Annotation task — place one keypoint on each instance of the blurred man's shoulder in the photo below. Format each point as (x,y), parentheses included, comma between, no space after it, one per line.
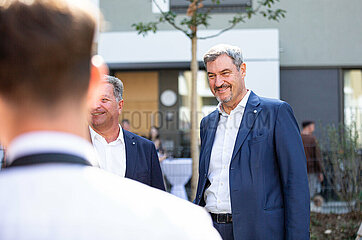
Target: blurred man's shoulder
(125,208)
(151,206)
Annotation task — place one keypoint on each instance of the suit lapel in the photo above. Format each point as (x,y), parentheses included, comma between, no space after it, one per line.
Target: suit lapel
(210,131)
(131,153)
(250,114)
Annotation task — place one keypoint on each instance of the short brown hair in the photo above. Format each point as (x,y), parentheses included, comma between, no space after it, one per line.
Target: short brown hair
(45,50)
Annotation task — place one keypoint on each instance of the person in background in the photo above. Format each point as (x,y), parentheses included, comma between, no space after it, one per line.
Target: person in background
(252,170)
(154,136)
(125,124)
(49,189)
(312,153)
(121,152)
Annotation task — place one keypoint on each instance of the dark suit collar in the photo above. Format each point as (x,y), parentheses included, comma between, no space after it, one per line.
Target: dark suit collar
(253,100)
(214,117)
(131,153)
(49,158)
(128,136)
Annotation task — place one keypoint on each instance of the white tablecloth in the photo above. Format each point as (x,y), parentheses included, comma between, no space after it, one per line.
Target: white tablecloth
(178,172)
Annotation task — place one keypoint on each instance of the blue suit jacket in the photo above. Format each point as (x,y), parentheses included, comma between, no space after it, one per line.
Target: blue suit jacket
(142,162)
(267,177)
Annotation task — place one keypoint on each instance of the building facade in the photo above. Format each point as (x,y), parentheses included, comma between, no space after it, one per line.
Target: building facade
(312,59)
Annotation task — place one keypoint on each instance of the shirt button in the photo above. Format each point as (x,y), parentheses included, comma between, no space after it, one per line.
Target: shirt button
(222,184)
(218,201)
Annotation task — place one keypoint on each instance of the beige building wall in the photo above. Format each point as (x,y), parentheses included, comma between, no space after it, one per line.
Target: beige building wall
(140,100)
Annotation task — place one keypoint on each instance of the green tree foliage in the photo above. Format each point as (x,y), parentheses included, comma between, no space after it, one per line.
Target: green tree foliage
(195,18)
(342,162)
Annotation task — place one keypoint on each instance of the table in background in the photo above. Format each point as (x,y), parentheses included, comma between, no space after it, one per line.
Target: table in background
(178,172)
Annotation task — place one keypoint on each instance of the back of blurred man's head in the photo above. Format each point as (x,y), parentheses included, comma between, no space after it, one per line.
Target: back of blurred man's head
(45,51)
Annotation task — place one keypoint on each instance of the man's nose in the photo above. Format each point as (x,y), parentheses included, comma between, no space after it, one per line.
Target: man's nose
(218,81)
(95,103)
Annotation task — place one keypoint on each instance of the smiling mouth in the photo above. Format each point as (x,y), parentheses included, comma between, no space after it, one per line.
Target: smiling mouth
(222,88)
(97,114)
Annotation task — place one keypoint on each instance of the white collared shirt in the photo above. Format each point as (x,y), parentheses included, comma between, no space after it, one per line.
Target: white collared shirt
(74,202)
(112,156)
(217,195)
(39,142)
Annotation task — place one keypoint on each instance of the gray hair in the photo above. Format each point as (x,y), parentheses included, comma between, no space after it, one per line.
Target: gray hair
(117,86)
(232,51)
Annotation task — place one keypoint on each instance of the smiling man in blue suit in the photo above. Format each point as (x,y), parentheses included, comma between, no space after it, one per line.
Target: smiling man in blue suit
(252,171)
(121,152)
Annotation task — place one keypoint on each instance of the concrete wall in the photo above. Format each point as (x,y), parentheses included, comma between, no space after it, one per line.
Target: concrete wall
(261,52)
(314,33)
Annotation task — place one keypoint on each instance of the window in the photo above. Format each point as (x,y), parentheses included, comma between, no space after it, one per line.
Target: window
(229,6)
(353,98)
(207,101)
(206,104)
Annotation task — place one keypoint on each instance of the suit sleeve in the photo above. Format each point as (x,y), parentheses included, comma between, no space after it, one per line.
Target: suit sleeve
(293,173)
(156,175)
(202,130)
(198,190)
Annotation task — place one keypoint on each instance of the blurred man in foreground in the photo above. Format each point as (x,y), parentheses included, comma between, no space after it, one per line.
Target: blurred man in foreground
(49,190)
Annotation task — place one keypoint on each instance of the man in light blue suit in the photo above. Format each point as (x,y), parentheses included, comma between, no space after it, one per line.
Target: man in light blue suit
(252,170)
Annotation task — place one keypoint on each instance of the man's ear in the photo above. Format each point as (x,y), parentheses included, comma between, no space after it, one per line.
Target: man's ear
(243,69)
(120,106)
(98,71)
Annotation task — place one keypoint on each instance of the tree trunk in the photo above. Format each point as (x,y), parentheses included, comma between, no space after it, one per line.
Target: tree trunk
(194,122)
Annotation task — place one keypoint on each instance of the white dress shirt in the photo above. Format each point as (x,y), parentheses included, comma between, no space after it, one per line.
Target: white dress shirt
(76,202)
(217,195)
(112,156)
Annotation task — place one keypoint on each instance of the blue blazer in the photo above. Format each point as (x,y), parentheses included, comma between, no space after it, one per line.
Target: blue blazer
(267,176)
(142,162)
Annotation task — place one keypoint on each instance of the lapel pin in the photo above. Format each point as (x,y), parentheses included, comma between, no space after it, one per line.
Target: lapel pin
(255,111)
(133,143)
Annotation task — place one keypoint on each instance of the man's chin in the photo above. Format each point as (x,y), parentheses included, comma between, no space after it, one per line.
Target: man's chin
(96,124)
(224,99)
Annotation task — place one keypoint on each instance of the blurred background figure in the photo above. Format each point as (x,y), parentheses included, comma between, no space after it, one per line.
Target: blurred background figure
(126,125)
(154,136)
(312,153)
